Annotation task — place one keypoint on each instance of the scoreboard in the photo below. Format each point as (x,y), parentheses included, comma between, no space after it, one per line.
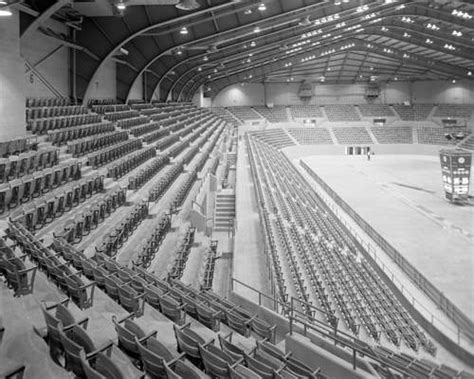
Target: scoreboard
(456,172)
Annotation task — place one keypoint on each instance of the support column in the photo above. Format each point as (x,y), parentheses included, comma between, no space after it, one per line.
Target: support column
(12,95)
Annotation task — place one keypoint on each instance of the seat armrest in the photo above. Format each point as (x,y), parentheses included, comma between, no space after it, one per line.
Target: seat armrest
(176,359)
(151,334)
(108,346)
(64,302)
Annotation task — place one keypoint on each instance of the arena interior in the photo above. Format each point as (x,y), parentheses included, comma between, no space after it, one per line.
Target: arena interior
(236,189)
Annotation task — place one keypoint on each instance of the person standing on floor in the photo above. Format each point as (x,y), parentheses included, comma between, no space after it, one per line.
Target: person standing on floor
(368,155)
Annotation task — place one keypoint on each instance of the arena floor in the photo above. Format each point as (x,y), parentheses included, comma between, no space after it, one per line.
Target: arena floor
(402,197)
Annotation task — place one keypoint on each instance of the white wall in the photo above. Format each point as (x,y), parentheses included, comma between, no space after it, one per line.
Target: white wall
(462,92)
(12,96)
(105,83)
(237,95)
(54,69)
(136,92)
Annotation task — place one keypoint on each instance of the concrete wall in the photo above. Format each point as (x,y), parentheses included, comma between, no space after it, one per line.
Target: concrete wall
(461,92)
(54,69)
(12,96)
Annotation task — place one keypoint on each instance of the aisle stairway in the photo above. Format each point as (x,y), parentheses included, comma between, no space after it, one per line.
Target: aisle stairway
(224,210)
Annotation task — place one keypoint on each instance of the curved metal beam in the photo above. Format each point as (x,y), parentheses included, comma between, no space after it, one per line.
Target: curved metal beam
(42,18)
(358,45)
(177,20)
(220,34)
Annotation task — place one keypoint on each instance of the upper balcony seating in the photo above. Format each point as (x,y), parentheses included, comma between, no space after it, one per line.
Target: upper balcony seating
(17,145)
(352,135)
(224,115)
(244,113)
(275,114)
(311,136)
(375,110)
(306,111)
(43,125)
(416,112)
(16,166)
(393,134)
(436,135)
(341,112)
(454,111)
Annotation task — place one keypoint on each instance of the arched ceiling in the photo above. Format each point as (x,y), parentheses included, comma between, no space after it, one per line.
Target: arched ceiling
(335,41)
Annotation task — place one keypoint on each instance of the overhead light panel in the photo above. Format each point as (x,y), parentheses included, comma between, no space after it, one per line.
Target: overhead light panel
(183,30)
(4,9)
(121,6)
(256,29)
(262,7)
(187,5)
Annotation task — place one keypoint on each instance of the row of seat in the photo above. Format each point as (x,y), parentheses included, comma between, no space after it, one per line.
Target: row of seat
(352,135)
(18,276)
(122,166)
(183,191)
(415,112)
(179,264)
(44,210)
(107,106)
(120,115)
(306,111)
(311,136)
(81,292)
(22,190)
(74,229)
(17,145)
(104,156)
(209,267)
(375,110)
(149,171)
(83,146)
(131,122)
(47,102)
(61,136)
(143,128)
(275,114)
(155,135)
(341,112)
(114,240)
(54,111)
(275,137)
(149,247)
(165,182)
(316,241)
(43,125)
(16,166)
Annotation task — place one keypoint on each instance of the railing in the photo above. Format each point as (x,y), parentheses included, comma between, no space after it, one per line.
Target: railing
(299,320)
(463,323)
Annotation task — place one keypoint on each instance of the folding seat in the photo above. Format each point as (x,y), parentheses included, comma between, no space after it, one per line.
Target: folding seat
(5,196)
(18,277)
(172,309)
(130,300)
(82,294)
(23,163)
(66,172)
(18,192)
(188,342)
(40,207)
(208,317)
(37,184)
(47,180)
(215,361)
(76,342)
(52,203)
(14,167)
(4,169)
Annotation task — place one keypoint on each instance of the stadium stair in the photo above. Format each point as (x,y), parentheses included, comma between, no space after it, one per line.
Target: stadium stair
(224,210)
(369,130)
(333,136)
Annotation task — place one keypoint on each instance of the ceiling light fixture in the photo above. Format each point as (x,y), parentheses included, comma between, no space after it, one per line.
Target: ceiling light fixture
(121,6)
(262,7)
(4,9)
(183,30)
(187,5)
(256,29)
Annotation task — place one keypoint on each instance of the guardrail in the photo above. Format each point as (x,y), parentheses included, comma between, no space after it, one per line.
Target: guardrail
(463,323)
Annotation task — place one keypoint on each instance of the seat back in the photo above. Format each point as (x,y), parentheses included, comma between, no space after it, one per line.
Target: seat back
(213,362)
(153,363)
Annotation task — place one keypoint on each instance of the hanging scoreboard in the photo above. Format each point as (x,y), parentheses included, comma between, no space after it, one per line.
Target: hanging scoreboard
(456,171)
